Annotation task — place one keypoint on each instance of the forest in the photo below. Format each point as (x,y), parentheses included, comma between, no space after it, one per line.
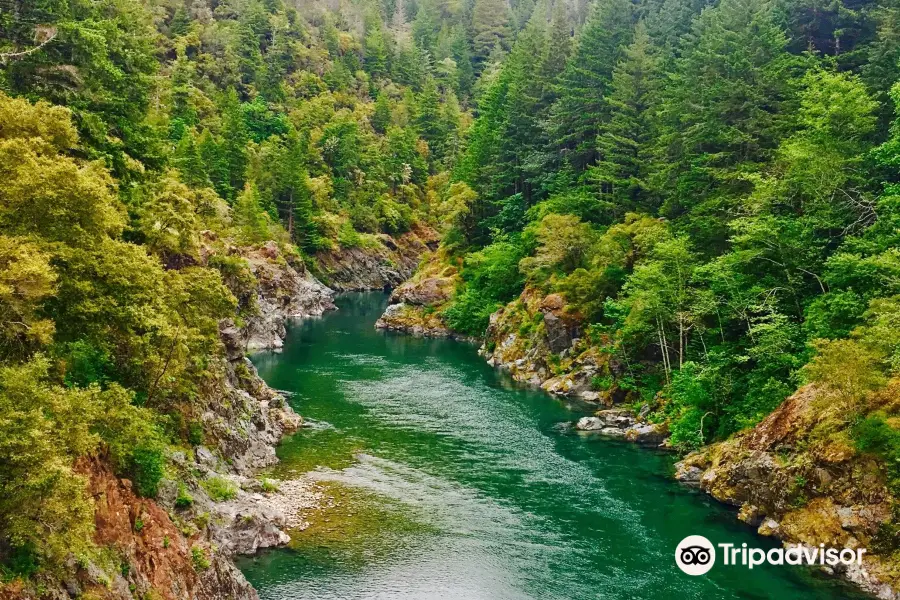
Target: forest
(713,187)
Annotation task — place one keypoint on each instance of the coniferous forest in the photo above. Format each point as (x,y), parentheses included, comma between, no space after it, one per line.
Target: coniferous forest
(711,188)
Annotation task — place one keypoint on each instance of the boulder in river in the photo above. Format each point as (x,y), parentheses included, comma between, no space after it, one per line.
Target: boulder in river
(649,434)
(589,424)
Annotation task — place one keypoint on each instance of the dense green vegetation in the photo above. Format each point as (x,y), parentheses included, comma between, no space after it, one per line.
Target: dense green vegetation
(711,186)
(713,190)
(141,141)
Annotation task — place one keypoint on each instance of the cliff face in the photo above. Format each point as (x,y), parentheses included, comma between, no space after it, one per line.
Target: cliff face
(155,559)
(285,290)
(797,477)
(384,265)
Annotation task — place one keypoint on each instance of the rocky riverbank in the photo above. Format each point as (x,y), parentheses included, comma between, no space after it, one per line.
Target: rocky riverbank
(795,476)
(211,505)
(624,424)
(415,306)
(805,493)
(284,289)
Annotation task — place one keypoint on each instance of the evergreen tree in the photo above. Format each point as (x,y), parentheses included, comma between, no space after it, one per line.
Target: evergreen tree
(490,24)
(190,163)
(294,197)
(462,55)
(376,51)
(381,116)
(577,116)
(235,137)
(429,121)
(214,164)
(427,24)
(556,53)
(248,216)
(723,110)
(625,141)
(522,136)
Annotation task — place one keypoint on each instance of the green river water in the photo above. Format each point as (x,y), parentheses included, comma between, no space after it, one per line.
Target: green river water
(453,482)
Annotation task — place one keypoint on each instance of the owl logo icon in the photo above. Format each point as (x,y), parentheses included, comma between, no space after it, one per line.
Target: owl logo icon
(695,555)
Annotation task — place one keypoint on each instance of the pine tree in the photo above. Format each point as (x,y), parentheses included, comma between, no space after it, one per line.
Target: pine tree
(459,47)
(190,163)
(294,197)
(381,116)
(214,164)
(426,25)
(490,24)
(180,23)
(376,52)
(624,143)
(428,119)
(556,52)
(722,109)
(522,136)
(249,217)
(577,116)
(235,137)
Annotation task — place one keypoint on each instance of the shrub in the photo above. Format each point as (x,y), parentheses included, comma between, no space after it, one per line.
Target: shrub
(184,498)
(147,470)
(219,488)
(195,433)
(86,364)
(200,558)
(469,313)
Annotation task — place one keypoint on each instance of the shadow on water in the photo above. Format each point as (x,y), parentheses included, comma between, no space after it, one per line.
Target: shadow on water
(454,482)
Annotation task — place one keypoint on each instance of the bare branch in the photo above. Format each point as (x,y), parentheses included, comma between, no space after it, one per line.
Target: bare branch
(43,35)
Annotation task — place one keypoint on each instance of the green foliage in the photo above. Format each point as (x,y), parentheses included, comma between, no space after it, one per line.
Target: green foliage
(249,218)
(470,311)
(200,558)
(219,488)
(874,435)
(146,470)
(490,278)
(183,499)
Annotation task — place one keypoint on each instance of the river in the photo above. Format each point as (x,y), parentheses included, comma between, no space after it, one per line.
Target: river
(453,482)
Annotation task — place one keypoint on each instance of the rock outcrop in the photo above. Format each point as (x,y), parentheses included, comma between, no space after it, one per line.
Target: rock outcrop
(285,290)
(538,340)
(153,557)
(801,492)
(380,266)
(622,423)
(415,306)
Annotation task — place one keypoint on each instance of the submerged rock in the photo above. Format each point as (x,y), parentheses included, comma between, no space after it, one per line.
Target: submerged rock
(613,432)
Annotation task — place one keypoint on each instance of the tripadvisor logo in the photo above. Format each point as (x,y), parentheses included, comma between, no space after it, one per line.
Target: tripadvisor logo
(696,555)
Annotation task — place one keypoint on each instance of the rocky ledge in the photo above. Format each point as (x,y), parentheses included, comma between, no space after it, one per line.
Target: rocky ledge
(802,493)
(415,306)
(285,289)
(538,341)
